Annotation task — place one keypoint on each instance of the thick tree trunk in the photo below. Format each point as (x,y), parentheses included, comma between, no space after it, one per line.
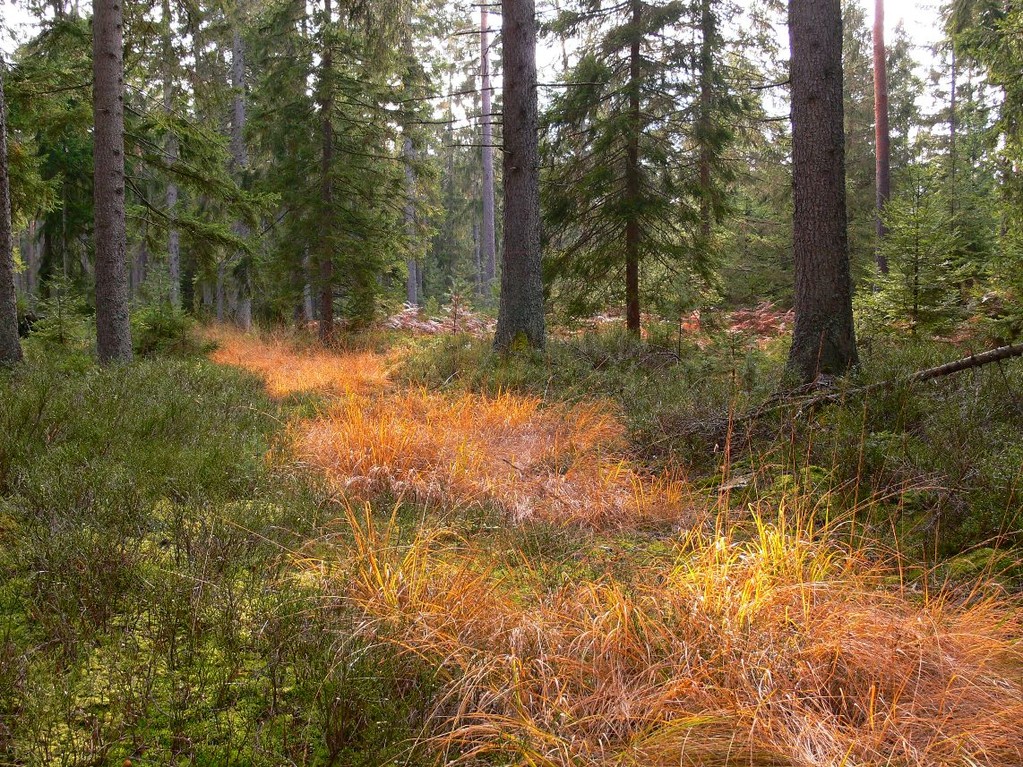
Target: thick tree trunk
(113,329)
(171,147)
(412,280)
(708,33)
(520,313)
(10,346)
(632,183)
(240,160)
(326,265)
(882,138)
(952,128)
(489,247)
(823,340)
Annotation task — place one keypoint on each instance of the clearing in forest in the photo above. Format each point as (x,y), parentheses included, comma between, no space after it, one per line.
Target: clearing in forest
(770,644)
(557,463)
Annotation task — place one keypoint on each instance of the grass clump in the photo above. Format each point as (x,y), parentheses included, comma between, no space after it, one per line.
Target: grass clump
(775,645)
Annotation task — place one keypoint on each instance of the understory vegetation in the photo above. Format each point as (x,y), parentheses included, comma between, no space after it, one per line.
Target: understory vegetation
(410,550)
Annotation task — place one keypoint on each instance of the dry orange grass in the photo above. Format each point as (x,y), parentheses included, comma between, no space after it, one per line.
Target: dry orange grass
(780,650)
(510,451)
(288,370)
(533,462)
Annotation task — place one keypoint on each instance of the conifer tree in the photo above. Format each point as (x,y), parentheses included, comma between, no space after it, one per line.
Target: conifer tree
(113,331)
(520,317)
(10,346)
(488,245)
(636,149)
(823,339)
(882,137)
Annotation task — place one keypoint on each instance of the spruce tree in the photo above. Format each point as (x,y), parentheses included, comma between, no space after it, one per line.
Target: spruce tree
(823,339)
(113,329)
(520,317)
(10,346)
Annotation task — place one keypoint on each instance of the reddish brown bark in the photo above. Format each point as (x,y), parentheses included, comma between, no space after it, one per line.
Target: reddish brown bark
(113,329)
(823,340)
(882,137)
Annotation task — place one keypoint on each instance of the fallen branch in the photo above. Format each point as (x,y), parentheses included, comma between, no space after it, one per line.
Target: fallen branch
(741,424)
(973,361)
(928,374)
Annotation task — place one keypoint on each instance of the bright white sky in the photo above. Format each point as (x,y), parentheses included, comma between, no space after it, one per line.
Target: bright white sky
(920,17)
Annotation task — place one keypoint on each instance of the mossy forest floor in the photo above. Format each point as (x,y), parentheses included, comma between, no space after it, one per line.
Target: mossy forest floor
(412,551)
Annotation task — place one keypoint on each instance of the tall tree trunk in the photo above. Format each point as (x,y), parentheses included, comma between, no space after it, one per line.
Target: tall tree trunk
(952,129)
(10,346)
(113,329)
(326,265)
(708,33)
(520,313)
(882,138)
(632,182)
(412,281)
(171,147)
(240,160)
(823,339)
(489,252)
(308,306)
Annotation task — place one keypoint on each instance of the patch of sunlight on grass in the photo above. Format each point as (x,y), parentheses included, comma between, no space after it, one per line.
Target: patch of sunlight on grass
(781,648)
(556,463)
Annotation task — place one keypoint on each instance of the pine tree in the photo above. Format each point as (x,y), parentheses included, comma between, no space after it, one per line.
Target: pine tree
(882,137)
(521,312)
(10,346)
(922,286)
(823,339)
(113,330)
(636,151)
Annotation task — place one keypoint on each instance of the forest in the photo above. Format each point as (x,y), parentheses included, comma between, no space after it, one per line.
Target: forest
(573,383)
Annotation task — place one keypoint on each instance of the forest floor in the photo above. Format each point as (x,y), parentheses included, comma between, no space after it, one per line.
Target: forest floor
(409,550)
(579,608)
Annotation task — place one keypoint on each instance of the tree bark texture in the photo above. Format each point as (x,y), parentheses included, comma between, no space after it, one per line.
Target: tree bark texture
(171,147)
(823,339)
(489,243)
(520,312)
(882,137)
(10,346)
(240,160)
(632,183)
(411,281)
(326,256)
(113,329)
(708,33)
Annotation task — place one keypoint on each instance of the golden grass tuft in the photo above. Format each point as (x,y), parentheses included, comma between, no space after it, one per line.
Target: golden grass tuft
(778,646)
(512,452)
(554,463)
(781,649)
(288,370)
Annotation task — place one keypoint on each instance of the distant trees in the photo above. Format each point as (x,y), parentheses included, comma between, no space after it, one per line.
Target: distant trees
(113,329)
(882,138)
(10,346)
(488,241)
(637,146)
(823,338)
(520,316)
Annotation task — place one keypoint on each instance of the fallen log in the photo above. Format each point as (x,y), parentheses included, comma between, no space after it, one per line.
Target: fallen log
(806,398)
(928,374)
(973,361)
